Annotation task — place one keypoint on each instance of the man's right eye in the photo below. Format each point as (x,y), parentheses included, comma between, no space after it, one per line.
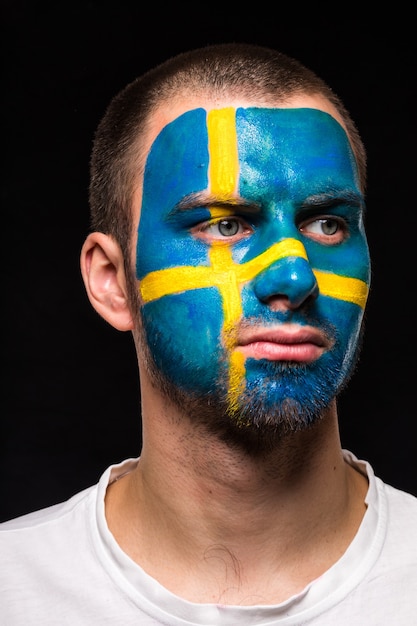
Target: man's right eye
(227,229)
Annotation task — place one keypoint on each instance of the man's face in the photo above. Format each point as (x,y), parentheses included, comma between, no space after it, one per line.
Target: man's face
(252,261)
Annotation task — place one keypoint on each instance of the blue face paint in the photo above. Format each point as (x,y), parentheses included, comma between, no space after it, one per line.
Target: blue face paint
(287,156)
(289,159)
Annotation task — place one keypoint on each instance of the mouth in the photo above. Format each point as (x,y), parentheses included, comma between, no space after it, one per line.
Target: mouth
(287,342)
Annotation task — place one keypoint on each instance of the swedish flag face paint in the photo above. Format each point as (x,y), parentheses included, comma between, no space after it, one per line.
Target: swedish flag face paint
(252,218)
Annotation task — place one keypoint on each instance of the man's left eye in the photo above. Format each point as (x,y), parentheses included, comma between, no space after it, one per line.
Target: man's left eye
(326,230)
(220,229)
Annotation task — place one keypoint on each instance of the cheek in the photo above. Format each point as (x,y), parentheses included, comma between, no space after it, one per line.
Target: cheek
(350,260)
(166,249)
(345,318)
(183,333)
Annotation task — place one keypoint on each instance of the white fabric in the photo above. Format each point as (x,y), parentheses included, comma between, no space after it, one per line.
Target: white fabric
(61,565)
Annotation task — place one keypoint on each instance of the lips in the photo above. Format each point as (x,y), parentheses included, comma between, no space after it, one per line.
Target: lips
(287,342)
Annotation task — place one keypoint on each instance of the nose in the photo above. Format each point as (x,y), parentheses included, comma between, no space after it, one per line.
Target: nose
(286,283)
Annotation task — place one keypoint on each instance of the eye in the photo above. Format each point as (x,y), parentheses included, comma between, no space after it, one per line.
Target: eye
(326,230)
(226,228)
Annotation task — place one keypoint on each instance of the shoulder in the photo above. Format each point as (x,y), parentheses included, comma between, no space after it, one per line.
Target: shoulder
(398,517)
(394,513)
(46,515)
(47,546)
(402,506)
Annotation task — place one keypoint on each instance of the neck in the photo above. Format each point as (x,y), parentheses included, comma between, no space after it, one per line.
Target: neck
(228,521)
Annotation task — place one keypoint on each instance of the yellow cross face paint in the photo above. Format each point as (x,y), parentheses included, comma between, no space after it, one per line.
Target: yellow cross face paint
(268,168)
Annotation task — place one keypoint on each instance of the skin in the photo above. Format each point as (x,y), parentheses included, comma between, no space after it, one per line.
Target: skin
(226,196)
(243,518)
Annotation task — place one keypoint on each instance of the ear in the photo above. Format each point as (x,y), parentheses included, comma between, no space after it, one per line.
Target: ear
(104,278)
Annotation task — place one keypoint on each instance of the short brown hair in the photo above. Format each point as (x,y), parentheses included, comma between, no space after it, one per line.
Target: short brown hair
(231,68)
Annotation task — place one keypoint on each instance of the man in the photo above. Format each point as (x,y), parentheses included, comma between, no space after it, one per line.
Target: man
(227,199)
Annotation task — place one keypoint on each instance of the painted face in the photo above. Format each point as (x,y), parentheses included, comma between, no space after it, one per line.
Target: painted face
(252,218)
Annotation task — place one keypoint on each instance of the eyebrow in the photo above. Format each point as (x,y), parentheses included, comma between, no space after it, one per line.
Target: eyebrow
(333,198)
(204,199)
(321,201)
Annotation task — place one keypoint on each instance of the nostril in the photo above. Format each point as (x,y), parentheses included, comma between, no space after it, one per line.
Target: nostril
(284,303)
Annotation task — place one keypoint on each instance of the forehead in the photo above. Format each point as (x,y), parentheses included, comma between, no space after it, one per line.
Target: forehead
(167,112)
(224,150)
(173,129)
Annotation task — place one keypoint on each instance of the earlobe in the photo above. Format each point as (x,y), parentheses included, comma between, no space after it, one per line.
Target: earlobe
(102,269)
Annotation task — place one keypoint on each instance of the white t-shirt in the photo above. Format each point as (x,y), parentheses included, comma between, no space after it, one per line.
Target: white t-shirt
(61,565)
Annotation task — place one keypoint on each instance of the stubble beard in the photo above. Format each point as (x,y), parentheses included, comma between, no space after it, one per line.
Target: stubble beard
(257,426)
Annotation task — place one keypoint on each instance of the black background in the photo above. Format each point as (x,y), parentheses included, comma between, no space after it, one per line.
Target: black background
(70,395)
